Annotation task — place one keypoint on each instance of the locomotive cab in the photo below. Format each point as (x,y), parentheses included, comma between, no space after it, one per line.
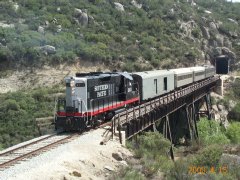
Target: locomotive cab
(94,96)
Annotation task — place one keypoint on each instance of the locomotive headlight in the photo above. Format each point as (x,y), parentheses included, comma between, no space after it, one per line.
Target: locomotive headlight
(72,84)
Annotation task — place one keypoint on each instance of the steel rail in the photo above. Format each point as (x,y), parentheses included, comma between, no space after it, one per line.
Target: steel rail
(33,152)
(26,145)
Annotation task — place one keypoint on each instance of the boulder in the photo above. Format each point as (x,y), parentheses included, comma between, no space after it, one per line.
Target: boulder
(49,49)
(119,6)
(59,28)
(192,2)
(118,156)
(233,34)
(4,25)
(77,12)
(108,168)
(215,108)
(217,117)
(232,104)
(227,43)
(15,6)
(221,107)
(124,163)
(171,12)
(227,51)
(205,32)
(219,40)
(134,3)
(83,19)
(46,23)
(213,26)
(207,12)
(187,27)
(41,29)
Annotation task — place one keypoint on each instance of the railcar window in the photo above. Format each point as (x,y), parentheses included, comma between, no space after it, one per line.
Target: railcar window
(199,73)
(186,76)
(155,82)
(165,83)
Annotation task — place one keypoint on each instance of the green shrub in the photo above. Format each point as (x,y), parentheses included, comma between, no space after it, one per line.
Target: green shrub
(235,112)
(18,111)
(152,144)
(210,132)
(11,104)
(153,150)
(180,170)
(209,156)
(128,174)
(233,132)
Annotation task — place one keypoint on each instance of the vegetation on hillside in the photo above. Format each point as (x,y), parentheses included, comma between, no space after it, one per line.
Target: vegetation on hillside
(18,112)
(136,35)
(152,149)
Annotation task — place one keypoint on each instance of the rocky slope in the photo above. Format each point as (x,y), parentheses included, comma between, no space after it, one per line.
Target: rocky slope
(126,35)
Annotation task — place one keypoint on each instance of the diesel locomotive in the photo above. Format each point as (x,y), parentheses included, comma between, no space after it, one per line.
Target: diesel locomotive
(91,97)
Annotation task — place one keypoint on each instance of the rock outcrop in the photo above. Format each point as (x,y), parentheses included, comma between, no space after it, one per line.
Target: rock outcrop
(47,49)
(134,3)
(81,17)
(119,6)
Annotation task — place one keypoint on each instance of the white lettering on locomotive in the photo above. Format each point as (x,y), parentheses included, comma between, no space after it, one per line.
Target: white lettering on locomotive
(101,87)
(101,93)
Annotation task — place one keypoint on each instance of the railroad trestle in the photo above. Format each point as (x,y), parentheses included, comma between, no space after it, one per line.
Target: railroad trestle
(189,99)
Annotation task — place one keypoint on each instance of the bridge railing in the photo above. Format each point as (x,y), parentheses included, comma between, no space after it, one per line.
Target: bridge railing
(138,111)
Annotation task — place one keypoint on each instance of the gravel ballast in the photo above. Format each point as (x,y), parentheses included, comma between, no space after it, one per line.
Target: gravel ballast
(82,157)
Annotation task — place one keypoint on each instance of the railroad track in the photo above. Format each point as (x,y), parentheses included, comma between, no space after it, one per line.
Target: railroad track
(15,155)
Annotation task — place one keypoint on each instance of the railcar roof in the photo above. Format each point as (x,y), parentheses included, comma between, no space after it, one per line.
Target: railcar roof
(198,68)
(148,74)
(182,70)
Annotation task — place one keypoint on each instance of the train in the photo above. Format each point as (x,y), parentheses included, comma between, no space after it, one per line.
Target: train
(94,97)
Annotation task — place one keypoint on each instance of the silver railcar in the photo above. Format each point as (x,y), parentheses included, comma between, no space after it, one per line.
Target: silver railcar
(198,73)
(210,71)
(182,77)
(154,83)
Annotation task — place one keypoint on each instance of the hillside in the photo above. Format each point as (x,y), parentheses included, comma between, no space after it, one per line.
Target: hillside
(124,35)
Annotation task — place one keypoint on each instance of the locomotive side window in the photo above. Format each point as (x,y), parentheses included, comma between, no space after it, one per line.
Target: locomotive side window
(67,84)
(165,83)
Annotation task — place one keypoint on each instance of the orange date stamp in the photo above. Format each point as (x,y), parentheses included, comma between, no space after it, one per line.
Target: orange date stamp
(206,170)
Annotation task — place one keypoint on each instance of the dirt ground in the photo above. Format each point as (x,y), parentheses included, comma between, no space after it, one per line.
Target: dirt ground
(46,76)
(84,158)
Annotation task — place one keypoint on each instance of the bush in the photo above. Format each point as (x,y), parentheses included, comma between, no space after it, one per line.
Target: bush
(11,105)
(152,144)
(128,174)
(180,170)
(18,111)
(153,150)
(235,112)
(209,156)
(210,132)
(233,132)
